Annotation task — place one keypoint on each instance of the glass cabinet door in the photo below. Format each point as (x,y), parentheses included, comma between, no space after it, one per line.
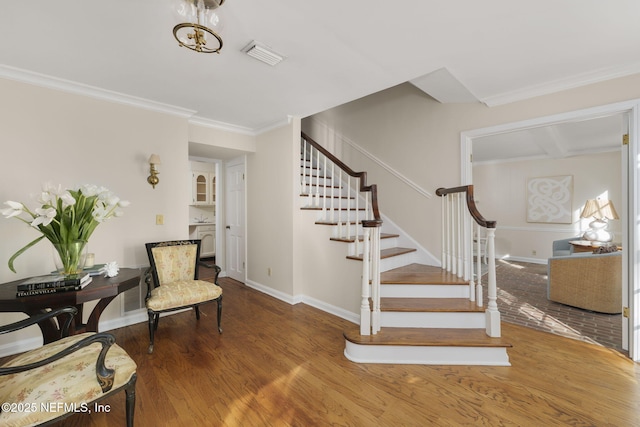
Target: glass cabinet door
(201,188)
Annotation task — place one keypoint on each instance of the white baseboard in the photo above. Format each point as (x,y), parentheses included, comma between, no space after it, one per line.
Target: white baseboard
(525,259)
(140,316)
(321,305)
(289,299)
(332,309)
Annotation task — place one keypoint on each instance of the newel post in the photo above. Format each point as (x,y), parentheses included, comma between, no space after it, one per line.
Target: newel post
(492,313)
(365,307)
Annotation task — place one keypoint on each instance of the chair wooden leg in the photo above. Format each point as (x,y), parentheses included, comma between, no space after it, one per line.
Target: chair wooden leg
(219,302)
(130,392)
(197,309)
(153,324)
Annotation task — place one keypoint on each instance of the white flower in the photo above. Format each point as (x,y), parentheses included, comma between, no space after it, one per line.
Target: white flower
(111,269)
(66,214)
(124,203)
(89,190)
(99,213)
(14,209)
(67,199)
(112,200)
(45,216)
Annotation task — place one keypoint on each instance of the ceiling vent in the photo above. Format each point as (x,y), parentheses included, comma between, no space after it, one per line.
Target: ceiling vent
(262,53)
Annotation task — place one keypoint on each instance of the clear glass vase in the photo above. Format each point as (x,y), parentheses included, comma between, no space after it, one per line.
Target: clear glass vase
(69,258)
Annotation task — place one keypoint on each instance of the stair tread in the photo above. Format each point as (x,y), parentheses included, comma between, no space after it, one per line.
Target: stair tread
(328,196)
(322,185)
(319,208)
(430,305)
(420,274)
(386,253)
(361,238)
(344,223)
(426,337)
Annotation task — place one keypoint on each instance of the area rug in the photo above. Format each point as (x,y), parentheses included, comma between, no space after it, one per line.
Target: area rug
(522,300)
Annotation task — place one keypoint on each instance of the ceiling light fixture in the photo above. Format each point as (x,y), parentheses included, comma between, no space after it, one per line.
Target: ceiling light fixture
(200,32)
(262,53)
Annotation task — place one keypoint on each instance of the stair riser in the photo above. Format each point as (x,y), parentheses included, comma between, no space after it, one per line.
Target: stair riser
(424,291)
(322,191)
(384,244)
(352,249)
(427,355)
(328,203)
(328,215)
(432,320)
(397,261)
(313,179)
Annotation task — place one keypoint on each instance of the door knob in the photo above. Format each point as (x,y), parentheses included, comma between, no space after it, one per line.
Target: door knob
(228,227)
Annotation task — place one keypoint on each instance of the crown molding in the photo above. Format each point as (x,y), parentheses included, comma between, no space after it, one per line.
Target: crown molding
(202,121)
(559,85)
(49,82)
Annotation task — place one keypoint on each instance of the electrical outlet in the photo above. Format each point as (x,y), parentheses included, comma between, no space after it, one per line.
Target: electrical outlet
(534,252)
(268,271)
(159,219)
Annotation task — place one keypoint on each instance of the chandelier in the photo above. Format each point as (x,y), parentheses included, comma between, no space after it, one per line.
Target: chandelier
(199,31)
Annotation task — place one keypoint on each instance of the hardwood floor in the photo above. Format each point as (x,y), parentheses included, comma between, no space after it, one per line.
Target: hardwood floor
(282,365)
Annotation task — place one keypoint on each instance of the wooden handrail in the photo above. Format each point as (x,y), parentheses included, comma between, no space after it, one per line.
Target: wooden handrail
(471,204)
(373,189)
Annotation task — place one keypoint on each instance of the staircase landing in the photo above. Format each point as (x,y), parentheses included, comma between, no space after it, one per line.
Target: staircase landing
(426,346)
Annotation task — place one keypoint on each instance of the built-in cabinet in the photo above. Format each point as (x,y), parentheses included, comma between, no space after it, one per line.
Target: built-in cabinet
(207,235)
(203,188)
(202,211)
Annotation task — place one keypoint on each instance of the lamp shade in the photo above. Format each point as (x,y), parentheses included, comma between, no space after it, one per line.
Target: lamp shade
(599,209)
(154,159)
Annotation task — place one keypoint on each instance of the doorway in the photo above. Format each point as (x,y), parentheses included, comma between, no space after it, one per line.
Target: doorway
(629,208)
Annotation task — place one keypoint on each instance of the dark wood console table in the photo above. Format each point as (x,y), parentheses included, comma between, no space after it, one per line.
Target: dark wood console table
(101,288)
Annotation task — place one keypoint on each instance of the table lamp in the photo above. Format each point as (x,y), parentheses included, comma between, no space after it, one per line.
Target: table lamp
(601,211)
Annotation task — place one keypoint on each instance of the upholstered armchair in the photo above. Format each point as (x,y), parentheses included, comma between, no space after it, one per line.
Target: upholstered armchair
(586,280)
(563,247)
(173,284)
(66,376)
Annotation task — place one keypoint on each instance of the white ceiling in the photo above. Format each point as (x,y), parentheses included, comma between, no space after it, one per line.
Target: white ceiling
(567,139)
(336,51)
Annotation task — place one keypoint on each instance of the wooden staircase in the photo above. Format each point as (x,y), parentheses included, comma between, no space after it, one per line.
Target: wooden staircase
(426,313)
(427,318)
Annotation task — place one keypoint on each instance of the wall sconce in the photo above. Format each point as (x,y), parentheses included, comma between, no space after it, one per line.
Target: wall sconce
(153,178)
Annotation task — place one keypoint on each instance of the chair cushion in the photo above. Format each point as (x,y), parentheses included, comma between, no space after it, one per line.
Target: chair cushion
(182,293)
(70,380)
(175,263)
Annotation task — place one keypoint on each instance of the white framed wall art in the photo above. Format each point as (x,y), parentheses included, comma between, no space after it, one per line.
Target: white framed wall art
(549,199)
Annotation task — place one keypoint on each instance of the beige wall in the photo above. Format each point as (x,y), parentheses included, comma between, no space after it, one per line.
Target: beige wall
(68,139)
(420,138)
(270,208)
(221,138)
(500,192)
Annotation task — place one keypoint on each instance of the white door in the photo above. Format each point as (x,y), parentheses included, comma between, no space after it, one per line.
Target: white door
(235,219)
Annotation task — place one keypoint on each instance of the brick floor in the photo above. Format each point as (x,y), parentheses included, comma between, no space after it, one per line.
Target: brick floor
(522,299)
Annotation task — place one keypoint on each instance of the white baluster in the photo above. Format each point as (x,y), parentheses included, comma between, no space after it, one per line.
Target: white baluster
(479,293)
(324,190)
(348,234)
(317,178)
(303,168)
